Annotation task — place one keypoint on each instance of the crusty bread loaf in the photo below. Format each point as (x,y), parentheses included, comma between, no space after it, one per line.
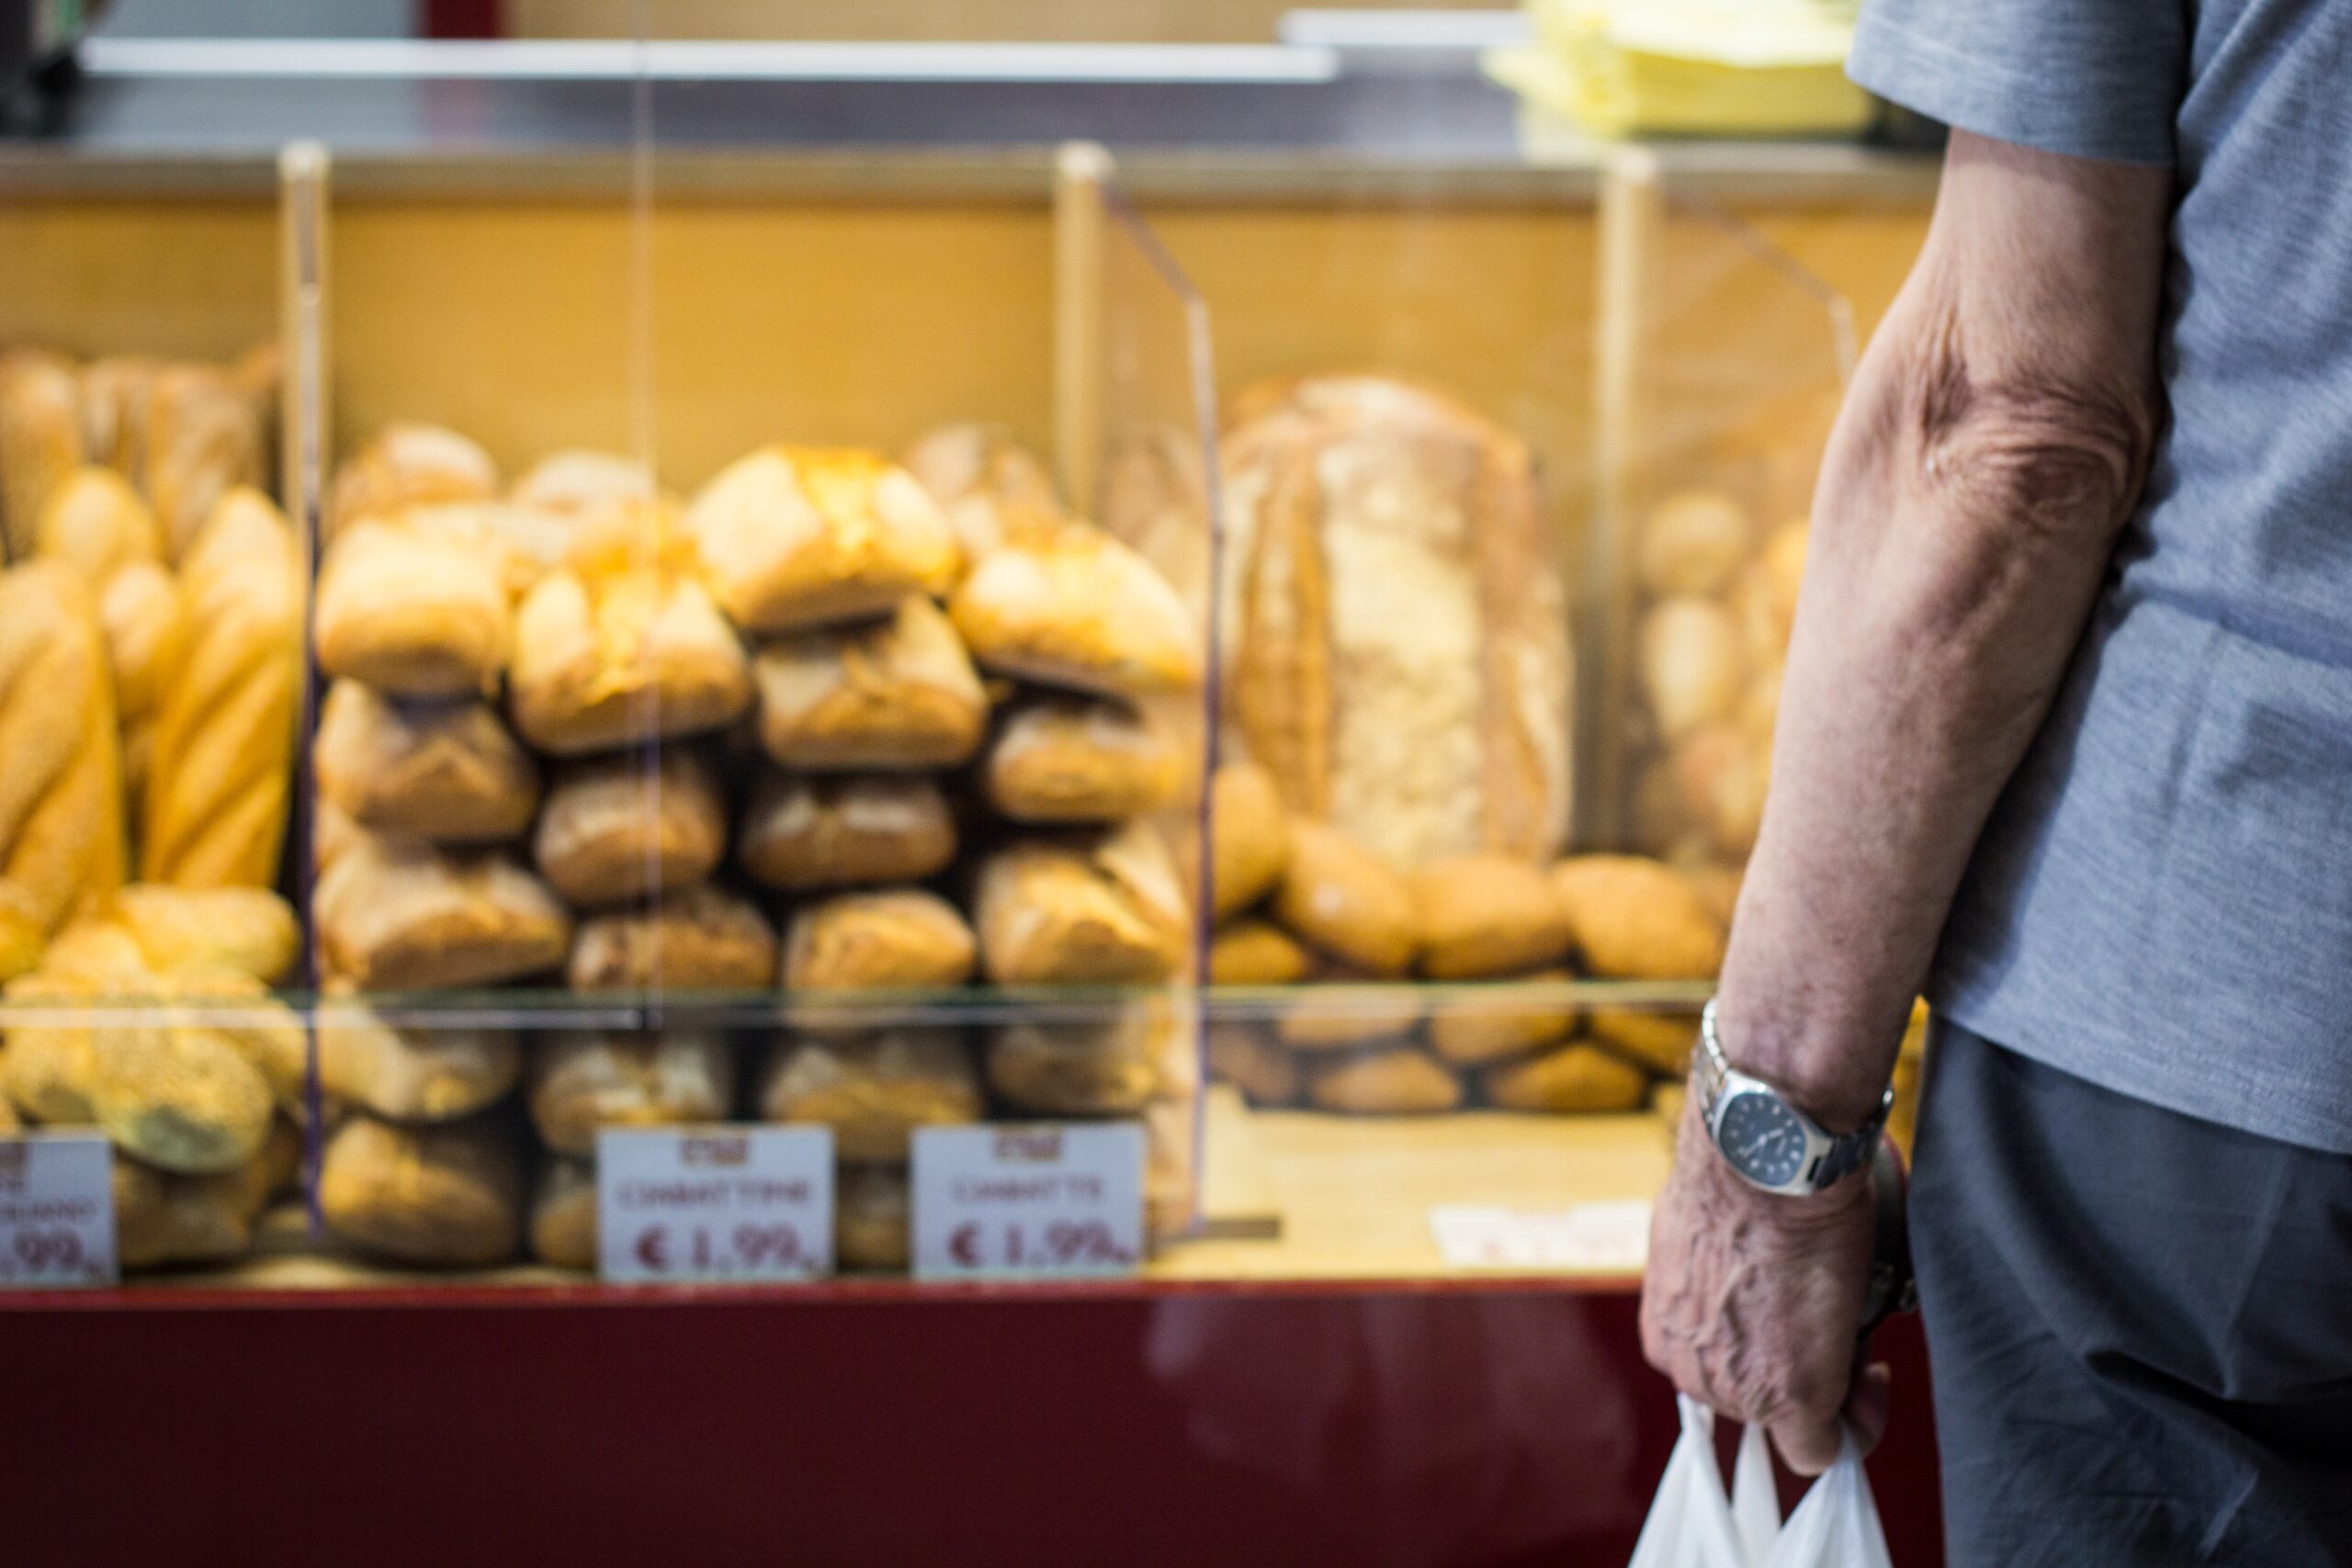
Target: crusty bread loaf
(873,1091)
(581,1084)
(1574,1079)
(989,486)
(163,1217)
(221,771)
(1078,609)
(1346,901)
(40,441)
(896,693)
(447,1196)
(181,1099)
(412,612)
(408,465)
(1397,651)
(873,1217)
(1057,759)
(1256,952)
(623,644)
(206,435)
(246,931)
(1091,909)
(434,1074)
(1398,1080)
(898,940)
(794,536)
(400,915)
(1114,1067)
(803,833)
(631,825)
(114,412)
(1486,915)
(449,772)
(698,938)
(1249,836)
(61,795)
(563,1214)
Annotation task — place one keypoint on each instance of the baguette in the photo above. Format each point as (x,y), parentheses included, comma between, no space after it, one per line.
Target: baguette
(899,692)
(796,537)
(205,437)
(450,772)
(801,834)
(631,826)
(40,441)
(61,797)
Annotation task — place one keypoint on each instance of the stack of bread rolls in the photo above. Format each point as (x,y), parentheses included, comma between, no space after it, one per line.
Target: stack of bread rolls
(1305,909)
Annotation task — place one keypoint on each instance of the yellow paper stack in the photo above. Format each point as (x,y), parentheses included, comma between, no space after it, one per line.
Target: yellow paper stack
(1619,68)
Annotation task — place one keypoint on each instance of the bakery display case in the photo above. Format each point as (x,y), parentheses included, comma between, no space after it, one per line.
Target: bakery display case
(1274,651)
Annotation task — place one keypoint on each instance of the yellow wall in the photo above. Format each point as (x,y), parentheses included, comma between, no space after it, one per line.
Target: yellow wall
(186,278)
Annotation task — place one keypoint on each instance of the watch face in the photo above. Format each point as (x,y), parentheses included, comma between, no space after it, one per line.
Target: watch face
(1762,1138)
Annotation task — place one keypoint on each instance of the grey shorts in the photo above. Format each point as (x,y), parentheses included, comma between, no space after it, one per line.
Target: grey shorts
(2140,1324)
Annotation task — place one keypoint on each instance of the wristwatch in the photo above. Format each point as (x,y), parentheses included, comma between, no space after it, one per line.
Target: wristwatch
(1769,1143)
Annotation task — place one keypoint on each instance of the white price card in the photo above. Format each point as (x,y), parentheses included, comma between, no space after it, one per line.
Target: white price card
(741,1205)
(1583,1238)
(1041,1199)
(56,1211)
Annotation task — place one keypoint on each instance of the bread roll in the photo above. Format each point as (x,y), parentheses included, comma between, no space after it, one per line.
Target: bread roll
(1661,1041)
(1693,672)
(1078,610)
(1396,1081)
(40,441)
(629,826)
(698,938)
(1694,542)
(61,798)
(451,773)
(579,480)
(1081,760)
(395,917)
(221,771)
(898,693)
(1481,916)
(519,543)
(246,931)
(412,613)
(801,834)
(892,940)
(1637,919)
(623,644)
(448,1196)
(1249,834)
(1115,1067)
(1346,902)
(1255,952)
(409,464)
(987,484)
(181,1099)
(1574,1079)
(796,537)
(873,1217)
(1470,1028)
(1248,1056)
(1345,1009)
(563,1214)
(162,1217)
(206,435)
(874,1091)
(583,1083)
(1098,911)
(434,1074)
(1398,635)
(95,523)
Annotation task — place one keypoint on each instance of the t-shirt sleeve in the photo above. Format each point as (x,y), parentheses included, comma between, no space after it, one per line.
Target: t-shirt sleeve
(2093,78)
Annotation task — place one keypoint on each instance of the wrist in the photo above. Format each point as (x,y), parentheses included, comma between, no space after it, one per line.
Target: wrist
(1725,1189)
(1824,1067)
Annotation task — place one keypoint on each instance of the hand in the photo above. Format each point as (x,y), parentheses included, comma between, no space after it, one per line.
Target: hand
(1753,1302)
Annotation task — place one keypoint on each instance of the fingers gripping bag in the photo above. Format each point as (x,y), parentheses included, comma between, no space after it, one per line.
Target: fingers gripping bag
(1692,1524)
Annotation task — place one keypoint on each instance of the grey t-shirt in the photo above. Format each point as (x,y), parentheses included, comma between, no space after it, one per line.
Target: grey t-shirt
(2162,903)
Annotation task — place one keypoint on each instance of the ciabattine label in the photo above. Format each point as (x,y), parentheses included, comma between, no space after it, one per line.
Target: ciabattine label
(708,1204)
(1040,1201)
(56,1211)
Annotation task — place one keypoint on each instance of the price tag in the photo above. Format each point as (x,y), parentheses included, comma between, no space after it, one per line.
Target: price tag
(1583,1238)
(1041,1200)
(56,1211)
(735,1204)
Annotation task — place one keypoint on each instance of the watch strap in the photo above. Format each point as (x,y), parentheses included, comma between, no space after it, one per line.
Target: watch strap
(1846,1152)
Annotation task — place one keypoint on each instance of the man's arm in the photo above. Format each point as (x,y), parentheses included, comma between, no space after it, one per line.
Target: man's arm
(1989,455)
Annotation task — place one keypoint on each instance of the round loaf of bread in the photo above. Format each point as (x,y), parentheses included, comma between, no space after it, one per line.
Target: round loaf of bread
(1395,1081)
(801,833)
(1256,952)
(1469,1028)
(1574,1079)
(1346,901)
(1482,916)
(1249,834)
(1635,919)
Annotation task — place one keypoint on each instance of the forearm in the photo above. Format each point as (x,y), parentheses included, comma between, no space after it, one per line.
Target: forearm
(1988,455)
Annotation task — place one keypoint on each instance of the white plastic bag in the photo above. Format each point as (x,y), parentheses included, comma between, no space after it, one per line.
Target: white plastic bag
(1693,1525)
